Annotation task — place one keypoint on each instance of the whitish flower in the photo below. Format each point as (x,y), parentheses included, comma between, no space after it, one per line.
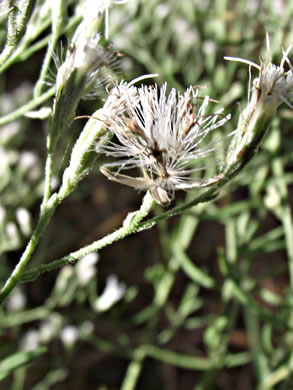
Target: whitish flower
(50,328)
(69,335)
(162,135)
(274,85)
(16,300)
(12,234)
(162,10)
(88,58)
(86,268)
(9,132)
(117,101)
(28,160)
(86,328)
(82,159)
(30,341)
(24,220)
(3,215)
(30,164)
(112,293)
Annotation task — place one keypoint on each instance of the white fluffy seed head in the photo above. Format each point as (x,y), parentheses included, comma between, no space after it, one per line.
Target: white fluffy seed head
(161,134)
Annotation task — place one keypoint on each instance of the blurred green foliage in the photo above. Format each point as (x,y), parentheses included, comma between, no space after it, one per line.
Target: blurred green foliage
(208,303)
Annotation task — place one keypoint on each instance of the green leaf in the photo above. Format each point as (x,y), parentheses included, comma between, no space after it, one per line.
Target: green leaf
(19,359)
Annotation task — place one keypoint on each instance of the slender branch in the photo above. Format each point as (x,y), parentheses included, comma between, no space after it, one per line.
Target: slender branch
(58,16)
(210,193)
(285,213)
(47,181)
(137,225)
(18,19)
(206,196)
(134,369)
(12,116)
(130,225)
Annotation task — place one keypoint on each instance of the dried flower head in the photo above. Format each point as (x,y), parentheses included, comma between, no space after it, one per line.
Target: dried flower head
(274,85)
(89,58)
(160,134)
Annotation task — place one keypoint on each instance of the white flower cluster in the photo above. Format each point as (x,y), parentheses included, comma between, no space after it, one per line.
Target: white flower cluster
(162,135)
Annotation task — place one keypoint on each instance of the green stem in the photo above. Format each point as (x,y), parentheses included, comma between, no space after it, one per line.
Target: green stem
(258,356)
(18,19)
(206,196)
(130,225)
(26,47)
(286,215)
(48,179)
(25,316)
(44,71)
(133,370)
(15,277)
(179,360)
(27,107)
(132,222)
(58,15)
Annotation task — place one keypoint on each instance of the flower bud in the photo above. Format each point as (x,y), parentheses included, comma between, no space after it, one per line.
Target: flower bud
(272,87)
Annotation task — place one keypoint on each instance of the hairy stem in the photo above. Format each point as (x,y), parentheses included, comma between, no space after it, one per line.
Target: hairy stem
(130,225)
